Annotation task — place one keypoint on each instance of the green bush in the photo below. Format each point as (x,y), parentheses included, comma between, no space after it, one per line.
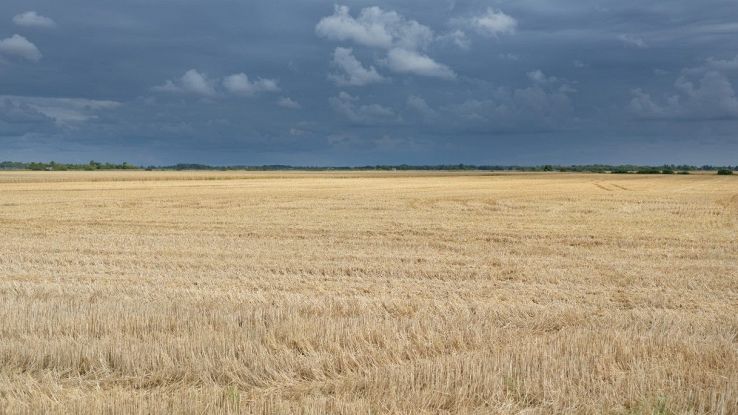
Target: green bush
(724,172)
(649,171)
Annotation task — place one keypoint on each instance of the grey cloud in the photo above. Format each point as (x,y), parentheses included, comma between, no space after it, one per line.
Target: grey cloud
(710,97)
(61,110)
(532,107)
(349,106)
(702,92)
(420,106)
(17,111)
(722,64)
(19,46)
(544,103)
(388,142)
(632,40)
(19,119)
(509,56)
(539,77)
(33,20)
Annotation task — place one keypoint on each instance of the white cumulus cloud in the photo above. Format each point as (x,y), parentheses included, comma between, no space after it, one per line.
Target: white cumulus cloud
(33,19)
(493,23)
(457,37)
(197,83)
(353,72)
(402,38)
(192,82)
(240,84)
(374,27)
(19,46)
(407,61)
(289,103)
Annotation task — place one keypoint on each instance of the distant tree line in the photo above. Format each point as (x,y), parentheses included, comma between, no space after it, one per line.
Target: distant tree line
(583,168)
(54,166)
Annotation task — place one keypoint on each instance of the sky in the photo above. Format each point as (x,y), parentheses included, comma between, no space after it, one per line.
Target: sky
(317,83)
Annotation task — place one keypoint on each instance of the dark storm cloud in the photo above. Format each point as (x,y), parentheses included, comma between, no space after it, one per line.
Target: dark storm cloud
(315,82)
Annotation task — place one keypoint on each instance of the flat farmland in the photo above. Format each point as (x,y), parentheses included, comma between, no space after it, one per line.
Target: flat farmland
(368,292)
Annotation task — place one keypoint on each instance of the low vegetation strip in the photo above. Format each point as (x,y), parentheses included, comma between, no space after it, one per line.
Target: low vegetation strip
(585,168)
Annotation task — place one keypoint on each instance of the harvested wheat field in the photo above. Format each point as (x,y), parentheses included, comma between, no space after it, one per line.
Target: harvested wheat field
(168,292)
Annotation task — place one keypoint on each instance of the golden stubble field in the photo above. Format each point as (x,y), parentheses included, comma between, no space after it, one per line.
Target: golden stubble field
(155,292)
